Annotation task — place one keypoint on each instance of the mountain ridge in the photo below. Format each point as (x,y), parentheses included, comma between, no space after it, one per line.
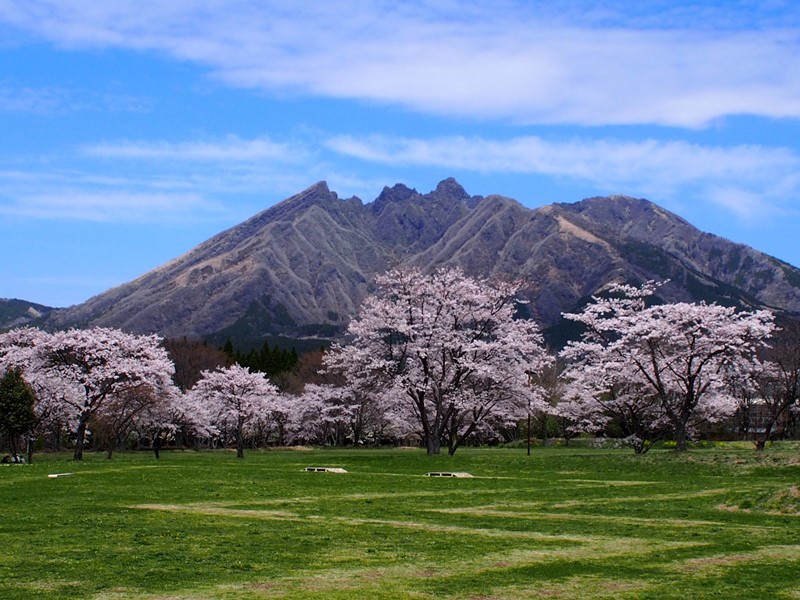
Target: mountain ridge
(300,268)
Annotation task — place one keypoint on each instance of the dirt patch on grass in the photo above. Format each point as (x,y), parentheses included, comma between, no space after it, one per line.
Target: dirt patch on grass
(220,511)
(585,587)
(213,509)
(216,510)
(43,585)
(404,580)
(679,496)
(555,517)
(608,483)
(781,502)
(709,564)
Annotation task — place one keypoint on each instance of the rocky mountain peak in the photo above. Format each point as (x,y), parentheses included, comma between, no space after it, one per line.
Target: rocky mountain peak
(301,268)
(394,194)
(450,188)
(617,211)
(317,194)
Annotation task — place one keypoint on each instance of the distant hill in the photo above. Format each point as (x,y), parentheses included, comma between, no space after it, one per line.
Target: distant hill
(18,313)
(300,269)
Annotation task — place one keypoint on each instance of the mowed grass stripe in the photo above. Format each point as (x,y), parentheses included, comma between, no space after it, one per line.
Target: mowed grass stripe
(560,523)
(660,522)
(426,526)
(404,579)
(216,509)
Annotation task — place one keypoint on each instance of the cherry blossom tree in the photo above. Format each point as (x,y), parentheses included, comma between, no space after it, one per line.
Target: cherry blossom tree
(309,421)
(446,349)
(338,415)
(163,421)
(114,422)
(21,348)
(675,353)
(103,364)
(599,402)
(769,387)
(236,399)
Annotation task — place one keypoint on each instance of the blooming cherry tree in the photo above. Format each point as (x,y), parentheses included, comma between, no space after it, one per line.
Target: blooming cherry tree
(83,373)
(163,421)
(338,414)
(103,365)
(595,400)
(20,349)
(236,399)
(445,349)
(768,387)
(676,353)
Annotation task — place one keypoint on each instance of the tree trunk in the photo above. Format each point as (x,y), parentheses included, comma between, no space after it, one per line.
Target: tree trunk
(239,440)
(642,446)
(281,441)
(680,439)
(157,446)
(12,445)
(80,434)
(433,443)
(679,423)
(763,438)
(113,442)
(434,446)
(456,440)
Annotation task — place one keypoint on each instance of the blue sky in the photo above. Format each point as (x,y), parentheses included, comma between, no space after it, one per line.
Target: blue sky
(132,130)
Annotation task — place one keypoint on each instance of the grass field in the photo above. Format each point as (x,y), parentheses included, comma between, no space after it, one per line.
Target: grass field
(561,523)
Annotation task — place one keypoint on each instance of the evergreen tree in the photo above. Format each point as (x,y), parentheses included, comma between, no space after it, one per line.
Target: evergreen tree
(16,407)
(270,361)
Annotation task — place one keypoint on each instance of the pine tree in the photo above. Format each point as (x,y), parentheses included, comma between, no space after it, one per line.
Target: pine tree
(16,407)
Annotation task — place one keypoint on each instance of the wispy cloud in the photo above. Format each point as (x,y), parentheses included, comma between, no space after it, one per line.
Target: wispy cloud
(110,207)
(231,149)
(15,98)
(747,180)
(192,179)
(225,180)
(517,61)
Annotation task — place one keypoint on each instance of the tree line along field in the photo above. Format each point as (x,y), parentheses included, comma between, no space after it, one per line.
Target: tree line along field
(560,523)
(440,357)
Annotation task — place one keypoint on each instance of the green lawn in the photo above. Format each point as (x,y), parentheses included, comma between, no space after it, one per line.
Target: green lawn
(561,523)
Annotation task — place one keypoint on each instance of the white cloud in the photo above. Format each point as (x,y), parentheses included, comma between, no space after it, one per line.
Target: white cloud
(231,149)
(519,61)
(234,178)
(49,100)
(748,206)
(223,180)
(111,207)
(747,180)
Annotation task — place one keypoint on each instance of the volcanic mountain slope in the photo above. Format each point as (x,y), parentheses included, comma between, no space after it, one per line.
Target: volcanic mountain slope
(19,313)
(299,268)
(570,251)
(302,267)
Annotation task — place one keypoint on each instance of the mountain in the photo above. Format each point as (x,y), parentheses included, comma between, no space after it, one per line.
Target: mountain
(301,268)
(18,313)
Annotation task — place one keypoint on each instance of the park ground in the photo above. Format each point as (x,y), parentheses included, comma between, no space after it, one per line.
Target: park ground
(718,522)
